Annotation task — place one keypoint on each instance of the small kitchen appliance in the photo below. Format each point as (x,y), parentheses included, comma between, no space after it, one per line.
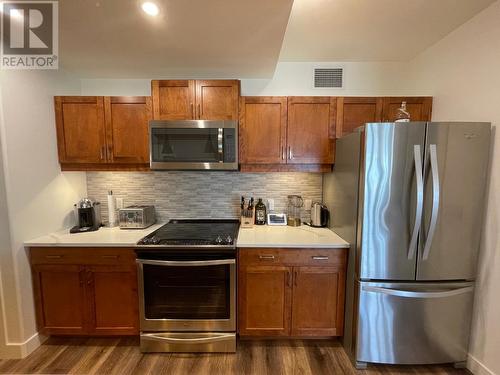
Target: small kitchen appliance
(187,287)
(88,216)
(295,203)
(319,215)
(193,144)
(137,217)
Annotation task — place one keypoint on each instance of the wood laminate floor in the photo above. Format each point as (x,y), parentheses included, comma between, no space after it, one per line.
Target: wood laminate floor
(122,356)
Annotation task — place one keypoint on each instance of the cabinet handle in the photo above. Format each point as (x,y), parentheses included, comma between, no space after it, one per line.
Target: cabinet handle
(290,155)
(288,279)
(319,257)
(199,110)
(192,111)
(295,277)
(53,256)
(282,153)
(110,152)
(264,257)
(102,153)
(109,256)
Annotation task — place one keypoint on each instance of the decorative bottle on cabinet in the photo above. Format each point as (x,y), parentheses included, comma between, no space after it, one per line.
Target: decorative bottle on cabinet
(402,115)
(260,212)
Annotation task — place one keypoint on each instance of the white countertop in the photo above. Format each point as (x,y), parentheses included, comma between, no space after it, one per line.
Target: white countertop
(104,237)
(285,236)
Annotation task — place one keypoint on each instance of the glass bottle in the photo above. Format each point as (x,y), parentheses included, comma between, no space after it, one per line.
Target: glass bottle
(402,114)
(260,212)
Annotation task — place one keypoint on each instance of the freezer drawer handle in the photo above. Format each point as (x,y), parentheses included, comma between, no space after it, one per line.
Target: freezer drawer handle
(186,263)
(411,294)
(200,340)
(435,202)
(420,201)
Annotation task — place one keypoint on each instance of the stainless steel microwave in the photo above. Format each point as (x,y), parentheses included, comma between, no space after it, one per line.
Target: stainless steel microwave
(193,144)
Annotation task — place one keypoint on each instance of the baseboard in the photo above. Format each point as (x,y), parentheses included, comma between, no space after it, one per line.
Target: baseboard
(476,367)
(22,349)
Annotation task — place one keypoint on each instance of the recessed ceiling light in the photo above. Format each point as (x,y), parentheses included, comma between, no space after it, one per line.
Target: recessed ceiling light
(150,8)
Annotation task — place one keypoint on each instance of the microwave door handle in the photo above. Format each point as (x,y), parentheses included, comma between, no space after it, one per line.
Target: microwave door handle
(186,263)
(220,144)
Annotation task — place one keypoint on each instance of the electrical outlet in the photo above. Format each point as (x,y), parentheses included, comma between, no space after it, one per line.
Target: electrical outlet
(270,204)
(119,203)
(307,204)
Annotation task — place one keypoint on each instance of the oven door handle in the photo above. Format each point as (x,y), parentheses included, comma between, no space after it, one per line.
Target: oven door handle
(181,263)
(172,340)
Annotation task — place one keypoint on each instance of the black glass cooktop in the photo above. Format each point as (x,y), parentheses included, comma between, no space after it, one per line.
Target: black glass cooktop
(194,233)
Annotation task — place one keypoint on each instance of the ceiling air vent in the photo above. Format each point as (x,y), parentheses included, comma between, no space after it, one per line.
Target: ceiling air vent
(328,78)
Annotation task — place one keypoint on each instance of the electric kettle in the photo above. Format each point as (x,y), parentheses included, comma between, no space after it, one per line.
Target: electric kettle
(319,215)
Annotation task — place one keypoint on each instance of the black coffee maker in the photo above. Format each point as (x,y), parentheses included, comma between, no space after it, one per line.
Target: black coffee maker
(88,216)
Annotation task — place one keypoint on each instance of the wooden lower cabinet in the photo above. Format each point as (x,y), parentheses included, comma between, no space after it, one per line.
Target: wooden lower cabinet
(291,292)
(85,291)
(264,300)
(60,298)
(318,301)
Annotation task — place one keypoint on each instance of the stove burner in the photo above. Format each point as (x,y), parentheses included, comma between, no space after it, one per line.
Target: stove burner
(193,233)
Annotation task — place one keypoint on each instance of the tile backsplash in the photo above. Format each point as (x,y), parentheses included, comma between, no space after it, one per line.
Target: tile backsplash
(178,194)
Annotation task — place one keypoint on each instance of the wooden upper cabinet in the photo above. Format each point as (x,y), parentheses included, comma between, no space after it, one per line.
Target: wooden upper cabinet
(419,108)
(353,112)
(311,130)
(217,99)
(318,301)
(264,294)
(173,99)
(80,129)
(263,130)
(59,299)
(127,128)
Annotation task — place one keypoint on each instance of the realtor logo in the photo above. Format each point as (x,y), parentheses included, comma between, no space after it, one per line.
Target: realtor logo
(29,35)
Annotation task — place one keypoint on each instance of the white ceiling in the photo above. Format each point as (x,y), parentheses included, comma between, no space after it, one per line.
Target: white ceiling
(190,38)
(371,30)
(243,38)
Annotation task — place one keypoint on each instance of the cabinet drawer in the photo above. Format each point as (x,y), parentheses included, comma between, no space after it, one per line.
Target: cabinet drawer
(84,256)
(313,257)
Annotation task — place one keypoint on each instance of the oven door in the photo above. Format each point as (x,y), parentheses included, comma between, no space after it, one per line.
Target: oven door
(187,295)
(194,144)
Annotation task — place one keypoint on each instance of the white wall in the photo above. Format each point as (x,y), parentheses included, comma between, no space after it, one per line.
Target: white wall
(461,72)
(360,79)
(39,195)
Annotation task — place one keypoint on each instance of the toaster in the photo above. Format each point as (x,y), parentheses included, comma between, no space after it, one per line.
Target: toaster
(137,217)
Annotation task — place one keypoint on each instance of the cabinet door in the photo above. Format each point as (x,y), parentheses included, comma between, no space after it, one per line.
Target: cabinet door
(356,111)
(113,291)
(173,99)
(80,129)
(264,300)
(263,130)
(419,107)
(311,130)
(60,299)
(318,301)
(127,128)
(217,99)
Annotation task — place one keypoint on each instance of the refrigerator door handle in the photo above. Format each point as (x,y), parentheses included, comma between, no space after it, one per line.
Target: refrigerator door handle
(435,201)
(412,294)
(420,201)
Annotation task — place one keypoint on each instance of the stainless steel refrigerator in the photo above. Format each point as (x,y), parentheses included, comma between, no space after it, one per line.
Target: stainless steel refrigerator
(409,197)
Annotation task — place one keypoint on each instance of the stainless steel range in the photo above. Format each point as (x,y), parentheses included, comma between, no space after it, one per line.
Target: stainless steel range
(187,287)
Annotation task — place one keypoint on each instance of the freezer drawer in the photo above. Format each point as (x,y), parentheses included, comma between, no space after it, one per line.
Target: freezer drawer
(414,323)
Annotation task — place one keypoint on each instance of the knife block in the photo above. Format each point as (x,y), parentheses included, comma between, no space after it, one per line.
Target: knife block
(247,218)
